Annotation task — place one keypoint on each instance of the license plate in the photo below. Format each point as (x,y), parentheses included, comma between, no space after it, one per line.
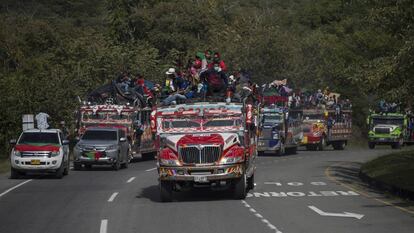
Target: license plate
(35,162)
(200,179)
(382,139)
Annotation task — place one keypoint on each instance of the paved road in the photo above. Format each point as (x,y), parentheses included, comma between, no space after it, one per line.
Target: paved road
(292,194)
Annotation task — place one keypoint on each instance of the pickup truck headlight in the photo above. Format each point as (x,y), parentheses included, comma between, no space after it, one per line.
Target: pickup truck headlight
(17,153)
(54,153)
(112,147)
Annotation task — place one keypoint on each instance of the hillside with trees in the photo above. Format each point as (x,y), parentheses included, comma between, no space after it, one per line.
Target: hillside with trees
(53,51)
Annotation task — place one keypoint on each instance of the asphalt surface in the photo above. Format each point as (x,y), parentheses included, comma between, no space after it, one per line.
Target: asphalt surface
(307,192)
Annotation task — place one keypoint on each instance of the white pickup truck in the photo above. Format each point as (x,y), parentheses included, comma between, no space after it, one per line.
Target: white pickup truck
(39,151)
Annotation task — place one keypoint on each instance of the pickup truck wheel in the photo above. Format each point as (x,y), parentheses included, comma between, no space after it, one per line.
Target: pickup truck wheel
(14,174)
(77,166)
(250,182)
(371,145)
(240,186)
(60,171)
(166,190)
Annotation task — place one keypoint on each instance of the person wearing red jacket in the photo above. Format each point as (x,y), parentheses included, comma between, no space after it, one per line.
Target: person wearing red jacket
(217,60)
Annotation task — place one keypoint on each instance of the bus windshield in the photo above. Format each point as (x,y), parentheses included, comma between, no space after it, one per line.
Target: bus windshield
(387,121)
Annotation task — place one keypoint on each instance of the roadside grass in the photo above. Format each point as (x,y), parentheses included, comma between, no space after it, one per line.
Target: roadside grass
(396,169)
(4,165)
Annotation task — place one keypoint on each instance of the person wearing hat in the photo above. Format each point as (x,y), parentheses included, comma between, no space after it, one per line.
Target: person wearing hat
(168,84)
(173,87)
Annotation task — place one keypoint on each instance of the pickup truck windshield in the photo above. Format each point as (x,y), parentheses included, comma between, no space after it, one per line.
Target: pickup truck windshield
(388,121)
(100,135)
(39,138)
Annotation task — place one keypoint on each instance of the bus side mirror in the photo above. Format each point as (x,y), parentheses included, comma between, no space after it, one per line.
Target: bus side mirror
(13,142)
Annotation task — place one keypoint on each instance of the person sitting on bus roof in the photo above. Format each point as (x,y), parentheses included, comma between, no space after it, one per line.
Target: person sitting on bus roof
(206,59)
(215,80)
(175,89)
(218,62)
(124,81)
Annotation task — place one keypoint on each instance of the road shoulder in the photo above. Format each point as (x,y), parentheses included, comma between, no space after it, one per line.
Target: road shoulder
(347,174)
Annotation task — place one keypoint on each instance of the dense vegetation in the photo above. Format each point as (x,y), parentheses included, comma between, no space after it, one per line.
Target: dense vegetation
(52,51)
(394,169)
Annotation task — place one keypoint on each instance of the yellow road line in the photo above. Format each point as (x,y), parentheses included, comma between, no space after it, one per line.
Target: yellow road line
(328,174)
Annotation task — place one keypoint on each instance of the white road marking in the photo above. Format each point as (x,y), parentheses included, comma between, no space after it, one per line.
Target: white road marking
(318,183)
(268,224)
(258,215)
(303,194)
(112,198)
(151,169)
(104,226)
(275,183)
(344,214)
(131,179)
(14,187)
(295,183)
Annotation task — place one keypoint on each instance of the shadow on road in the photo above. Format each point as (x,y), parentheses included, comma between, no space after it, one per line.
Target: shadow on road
(194,195)
(348,173)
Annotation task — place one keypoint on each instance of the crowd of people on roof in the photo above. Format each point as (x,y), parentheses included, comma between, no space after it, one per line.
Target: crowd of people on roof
(385,107)
(325,99)
(203,77)
(298,99)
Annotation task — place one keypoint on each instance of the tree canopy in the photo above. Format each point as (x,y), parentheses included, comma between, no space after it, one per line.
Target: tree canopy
(52,51)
